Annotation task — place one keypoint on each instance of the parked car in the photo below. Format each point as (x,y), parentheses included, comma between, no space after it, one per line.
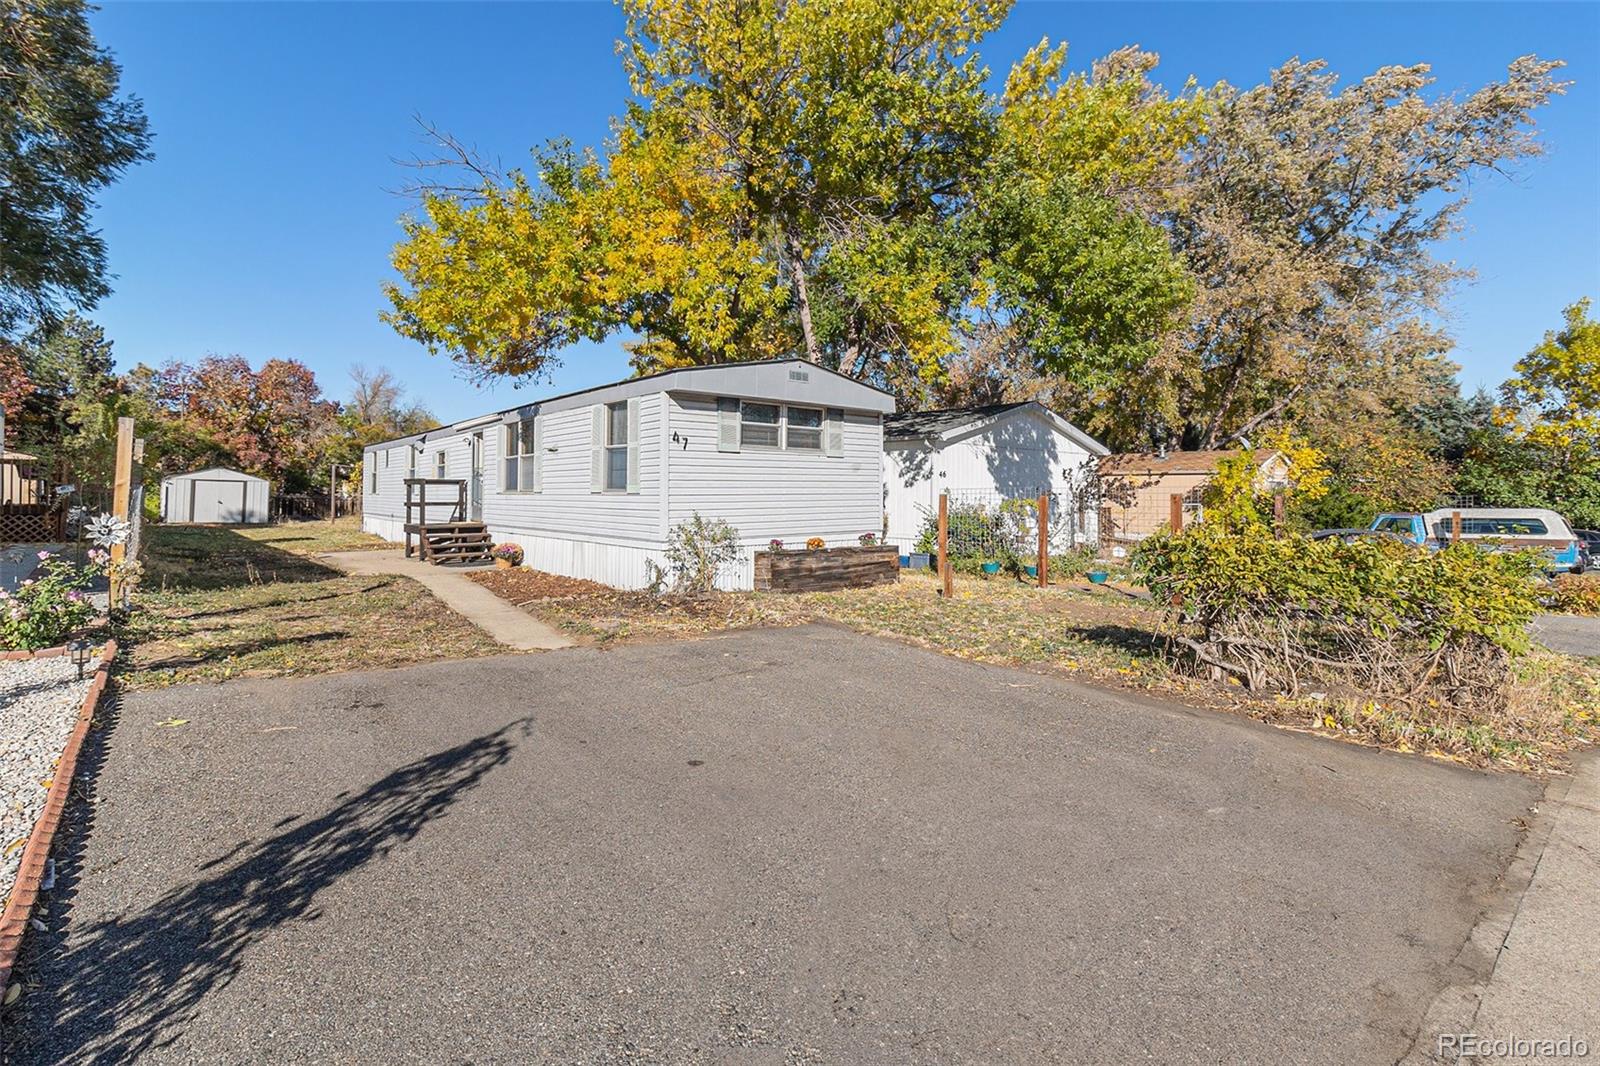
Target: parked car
(1499,528)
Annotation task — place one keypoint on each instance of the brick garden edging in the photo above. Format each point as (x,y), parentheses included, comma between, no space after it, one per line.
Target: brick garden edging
(14,920)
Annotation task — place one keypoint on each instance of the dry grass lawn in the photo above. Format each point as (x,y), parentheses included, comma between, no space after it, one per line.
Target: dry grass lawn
(218,603)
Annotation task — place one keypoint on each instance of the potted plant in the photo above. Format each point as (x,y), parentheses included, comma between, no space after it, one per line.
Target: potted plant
(991,567)
(1032,570)
(507,555)
(868,539)
(815,544)
(774,545)
(1098,576)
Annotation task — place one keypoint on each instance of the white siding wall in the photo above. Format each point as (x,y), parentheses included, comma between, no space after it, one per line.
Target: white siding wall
(767,493)
(909,492)
(610,537)
(384,513)
(1013,458)
(564,528)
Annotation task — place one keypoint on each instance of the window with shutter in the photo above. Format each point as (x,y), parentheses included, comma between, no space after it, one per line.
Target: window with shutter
(616,457)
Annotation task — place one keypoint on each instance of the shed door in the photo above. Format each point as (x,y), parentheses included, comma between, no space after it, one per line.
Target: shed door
(217,501)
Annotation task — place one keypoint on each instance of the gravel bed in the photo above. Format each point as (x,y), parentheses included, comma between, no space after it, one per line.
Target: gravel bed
(39,702)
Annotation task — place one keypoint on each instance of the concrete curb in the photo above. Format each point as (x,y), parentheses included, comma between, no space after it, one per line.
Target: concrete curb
(14,920)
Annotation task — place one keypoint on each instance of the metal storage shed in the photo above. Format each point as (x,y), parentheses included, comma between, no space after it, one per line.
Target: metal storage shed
(215,496)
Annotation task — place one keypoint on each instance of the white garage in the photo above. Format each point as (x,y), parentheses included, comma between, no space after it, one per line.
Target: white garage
(215,496)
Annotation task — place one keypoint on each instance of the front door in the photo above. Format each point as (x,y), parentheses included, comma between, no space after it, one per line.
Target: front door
(475,488)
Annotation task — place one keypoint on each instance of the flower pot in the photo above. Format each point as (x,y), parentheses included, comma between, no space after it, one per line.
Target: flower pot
(920,560)
(991,568)
(504,564)
(1098,576)
(1031,571)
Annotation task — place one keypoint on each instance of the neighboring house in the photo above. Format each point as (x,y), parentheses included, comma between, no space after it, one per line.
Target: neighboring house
(215,496)
(986,455)
(590,483)
(1136,488)
(20,483)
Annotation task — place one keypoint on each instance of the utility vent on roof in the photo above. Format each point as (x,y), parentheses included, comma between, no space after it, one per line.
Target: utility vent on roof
(799,375)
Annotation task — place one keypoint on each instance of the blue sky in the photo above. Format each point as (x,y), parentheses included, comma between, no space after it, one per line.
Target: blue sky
(263,226)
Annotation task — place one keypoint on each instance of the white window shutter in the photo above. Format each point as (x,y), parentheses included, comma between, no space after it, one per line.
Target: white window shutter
(727,425)
(833,432)
(538,454)
(633,444)
(597,450)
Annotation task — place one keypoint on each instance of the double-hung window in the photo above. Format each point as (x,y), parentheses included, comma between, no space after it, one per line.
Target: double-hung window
(412,451)
(803,429)
(617,447)
(758,425)
(372,479)
(441,468)
(521,458)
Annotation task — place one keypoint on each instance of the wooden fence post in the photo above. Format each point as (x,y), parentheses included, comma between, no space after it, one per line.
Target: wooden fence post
(944,543)
(1455,528)
(1044,539)
(121,490)
(1177,512)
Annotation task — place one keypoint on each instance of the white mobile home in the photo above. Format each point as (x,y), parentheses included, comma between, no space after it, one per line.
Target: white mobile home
(589,483)
(216,496)
(983,455)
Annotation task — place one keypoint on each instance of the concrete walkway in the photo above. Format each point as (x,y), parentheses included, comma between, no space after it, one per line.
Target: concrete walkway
(1545,980)
(1545,944)
(510,625)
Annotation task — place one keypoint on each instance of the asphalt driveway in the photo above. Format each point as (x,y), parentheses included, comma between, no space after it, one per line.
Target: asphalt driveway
(780,846)
(1571,633)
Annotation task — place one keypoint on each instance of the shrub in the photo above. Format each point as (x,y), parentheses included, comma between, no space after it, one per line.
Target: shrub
(1576,594)
(511,553)
(47,607)
(774,545)
(868,539)
(1392,620)
(697,550)
(1074,563)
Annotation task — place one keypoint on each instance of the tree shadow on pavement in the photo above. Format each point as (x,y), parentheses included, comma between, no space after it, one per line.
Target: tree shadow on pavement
(131,985)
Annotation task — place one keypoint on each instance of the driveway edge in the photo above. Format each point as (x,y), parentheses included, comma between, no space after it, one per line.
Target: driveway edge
(36,854)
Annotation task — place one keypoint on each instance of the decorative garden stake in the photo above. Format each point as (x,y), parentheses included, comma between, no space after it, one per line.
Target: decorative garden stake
(80,655)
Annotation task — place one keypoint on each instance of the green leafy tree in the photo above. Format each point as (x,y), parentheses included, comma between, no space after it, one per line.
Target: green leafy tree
(817,178)
(1543,448)
(65,133)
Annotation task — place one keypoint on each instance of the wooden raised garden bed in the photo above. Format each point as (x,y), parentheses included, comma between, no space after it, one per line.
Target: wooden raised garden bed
(822,569)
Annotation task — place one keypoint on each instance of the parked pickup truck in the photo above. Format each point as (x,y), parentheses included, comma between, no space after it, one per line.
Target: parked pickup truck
(1502,528)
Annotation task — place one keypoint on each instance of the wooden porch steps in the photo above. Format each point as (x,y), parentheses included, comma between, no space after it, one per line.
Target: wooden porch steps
(454,543)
